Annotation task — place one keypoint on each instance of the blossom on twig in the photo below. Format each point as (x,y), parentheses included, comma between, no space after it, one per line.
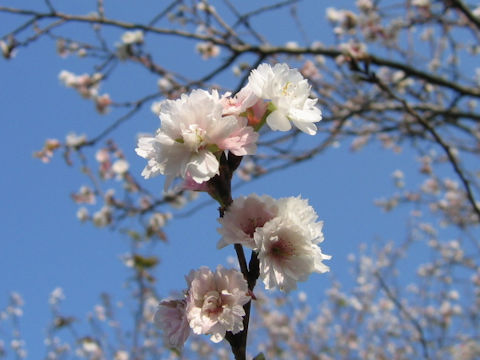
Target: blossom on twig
(192,135)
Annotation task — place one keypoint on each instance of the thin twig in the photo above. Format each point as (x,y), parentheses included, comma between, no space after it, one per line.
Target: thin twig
(399,305)
(446,147)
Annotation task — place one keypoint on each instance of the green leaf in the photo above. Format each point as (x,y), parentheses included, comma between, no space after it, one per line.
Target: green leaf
(134,235)
(144,262)
(259,357)
(62,321)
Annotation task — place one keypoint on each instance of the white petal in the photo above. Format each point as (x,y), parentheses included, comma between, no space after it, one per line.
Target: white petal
(278,121)
(307,127)
(202,166)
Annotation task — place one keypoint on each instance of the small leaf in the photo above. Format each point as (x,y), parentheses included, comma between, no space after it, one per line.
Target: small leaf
(60,321)
(134,235)
(145,262)
(259,357)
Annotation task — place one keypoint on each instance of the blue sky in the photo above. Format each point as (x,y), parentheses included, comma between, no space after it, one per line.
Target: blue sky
(45,246)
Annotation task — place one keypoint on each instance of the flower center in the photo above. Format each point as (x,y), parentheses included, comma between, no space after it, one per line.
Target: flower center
(251,225)
(212,302)
(282,249)
(193,137)
(287,88)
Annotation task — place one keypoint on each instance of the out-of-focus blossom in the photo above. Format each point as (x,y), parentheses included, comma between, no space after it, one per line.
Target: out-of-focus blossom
(208,50)
(18,345)
(309,70)
(85,84)
(8,47)
(164,84)
(48,149)
(65,48)
(171,318)
(159,220)
(100,312)
(120,167)
(88,87)
(129,40)
(121,355)
(346,20)
(90,348)
(292,45)
(353,49)
(82,214)
(399,178)
(103,217)
(102,155)
(84,196)
(421,3)
(56,296)
(132,37)
(156,107)
(364,5)
(334,15)
(102,102)
(73,140)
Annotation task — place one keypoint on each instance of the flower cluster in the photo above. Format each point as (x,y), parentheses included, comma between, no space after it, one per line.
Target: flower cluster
(193,131)
(284,233)
(198,127)
(196,130)
(213,305)
(87,86)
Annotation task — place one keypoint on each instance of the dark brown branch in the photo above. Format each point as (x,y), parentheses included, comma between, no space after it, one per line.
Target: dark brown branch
(460,5)
(111,22)
(136,107)
(439,140)
(263,51)
(220,189)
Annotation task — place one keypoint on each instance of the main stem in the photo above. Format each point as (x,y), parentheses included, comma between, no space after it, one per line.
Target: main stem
(220,188)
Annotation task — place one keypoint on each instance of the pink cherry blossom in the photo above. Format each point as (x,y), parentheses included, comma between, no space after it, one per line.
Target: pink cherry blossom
(243,217)
(192,135)
(215,301)
(171,318)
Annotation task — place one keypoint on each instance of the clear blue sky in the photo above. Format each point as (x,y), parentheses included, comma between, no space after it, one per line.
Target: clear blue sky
(43,245)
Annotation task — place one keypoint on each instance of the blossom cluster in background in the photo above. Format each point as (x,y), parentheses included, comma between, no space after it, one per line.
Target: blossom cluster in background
(87,86)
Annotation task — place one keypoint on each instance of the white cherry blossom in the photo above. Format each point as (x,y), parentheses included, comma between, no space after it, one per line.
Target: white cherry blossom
(171,318)
(288,93)
(243,217)
(215,301)
(192,135)
(287,245)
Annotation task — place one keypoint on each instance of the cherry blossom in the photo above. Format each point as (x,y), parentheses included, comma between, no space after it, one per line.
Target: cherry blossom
(171,318)
(215,301)
(193,133)
(288,93)
(243,217)
(287,245)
